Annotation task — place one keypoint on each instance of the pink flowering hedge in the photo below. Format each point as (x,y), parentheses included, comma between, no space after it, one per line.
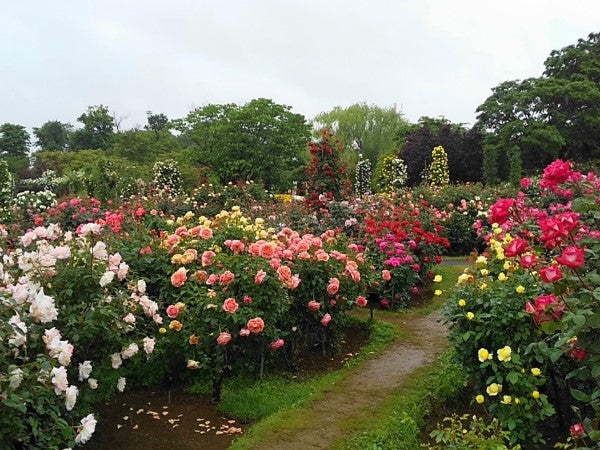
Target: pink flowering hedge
(525,321)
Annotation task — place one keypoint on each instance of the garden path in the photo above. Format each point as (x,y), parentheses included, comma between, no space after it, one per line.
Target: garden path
(366,389)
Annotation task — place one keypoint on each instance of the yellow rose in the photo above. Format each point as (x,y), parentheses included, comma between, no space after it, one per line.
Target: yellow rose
(502,277)
(504,353)
(517,400)
(162,330)
(462,302)
(483,286)
(535,394)
(506,399)
(536,372)
(470,315)
(480,399)
(175,325)
(494,389)
(481,261)
(484,272)
(170,222)
(483,354)
(437,279)
(437,292)
(520,289)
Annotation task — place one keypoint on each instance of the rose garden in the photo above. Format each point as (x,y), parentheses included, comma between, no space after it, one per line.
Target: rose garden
(161,284)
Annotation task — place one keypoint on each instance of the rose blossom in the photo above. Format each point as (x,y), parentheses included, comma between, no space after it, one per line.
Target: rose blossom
(386,275)
(571,257)
(129,351)
(121,382)
(149,344)
(42,308)
(179,277)
(85,369)
(226,277)
(93,383)
(172,311)
(255,325)
(129,318)
(71,397)
(326,319)
(89,426)
(577,430)
(106,278)
(59,379)
(244,332)
(334,286)
(550,274)
(314,305)
(361,301)
(230,305)
(275,345)
(224,338)
(116,360)
(260,276)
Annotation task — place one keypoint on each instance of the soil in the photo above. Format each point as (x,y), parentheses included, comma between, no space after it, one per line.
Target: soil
(180,420)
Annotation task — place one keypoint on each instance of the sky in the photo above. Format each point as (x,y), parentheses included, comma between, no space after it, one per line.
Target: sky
(423,57)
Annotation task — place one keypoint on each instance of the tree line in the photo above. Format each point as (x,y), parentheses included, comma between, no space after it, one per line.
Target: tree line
(520,128)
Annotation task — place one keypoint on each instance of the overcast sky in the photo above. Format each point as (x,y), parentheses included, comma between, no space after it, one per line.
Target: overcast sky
(426,57)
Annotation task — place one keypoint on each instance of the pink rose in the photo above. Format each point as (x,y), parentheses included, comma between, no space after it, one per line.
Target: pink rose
(260,276)
(314,305)
(550,274)
(207,258)
(571,257)
(277,344)
(577,430)
(244,332)
(172,311)
(334,286)
(386,275)
(326,319)
(361,301)
(230,305)
(212,279)
(224,338)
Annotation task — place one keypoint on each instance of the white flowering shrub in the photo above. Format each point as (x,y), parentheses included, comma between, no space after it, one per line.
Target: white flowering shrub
(363,176)
(69,318)
(6,191)
(34,202)
(167,177)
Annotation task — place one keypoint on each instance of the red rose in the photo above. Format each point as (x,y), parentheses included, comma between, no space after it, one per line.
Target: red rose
(516,247)
(500,210)
(577,430)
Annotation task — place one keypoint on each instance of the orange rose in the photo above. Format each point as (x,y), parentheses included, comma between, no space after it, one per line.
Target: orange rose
(179,277)
(255,325)
(175,325)
(226,277)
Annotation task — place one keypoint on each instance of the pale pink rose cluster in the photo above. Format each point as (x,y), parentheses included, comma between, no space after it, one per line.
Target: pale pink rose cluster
(57,348)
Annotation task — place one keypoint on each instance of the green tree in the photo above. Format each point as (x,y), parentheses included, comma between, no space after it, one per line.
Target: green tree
(261,141)
(14,140)
(97,131)
(144,146)
(369,129)
(53,135)
(156,122)
(556,115)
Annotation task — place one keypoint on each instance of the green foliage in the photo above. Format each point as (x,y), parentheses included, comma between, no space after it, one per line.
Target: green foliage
(261,141)
(468,432)
(368,129)
(438,169)
(556,115)
(144,147)
(14,140)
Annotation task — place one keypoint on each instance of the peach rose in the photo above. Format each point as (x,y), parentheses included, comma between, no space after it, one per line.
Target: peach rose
(175,325)
(244,332)
(179,277)
(201,276)
(255,325)
(212,279)
(267,250)
(226,277)
(321,255)
(386,275)
(230,305)
(285,273)
(224,338)
(260,276)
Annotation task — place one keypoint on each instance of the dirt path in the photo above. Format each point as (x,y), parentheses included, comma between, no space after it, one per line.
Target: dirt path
(365,389)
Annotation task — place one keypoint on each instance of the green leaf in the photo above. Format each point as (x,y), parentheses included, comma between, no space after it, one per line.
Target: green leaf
(513,377)
(580,396)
